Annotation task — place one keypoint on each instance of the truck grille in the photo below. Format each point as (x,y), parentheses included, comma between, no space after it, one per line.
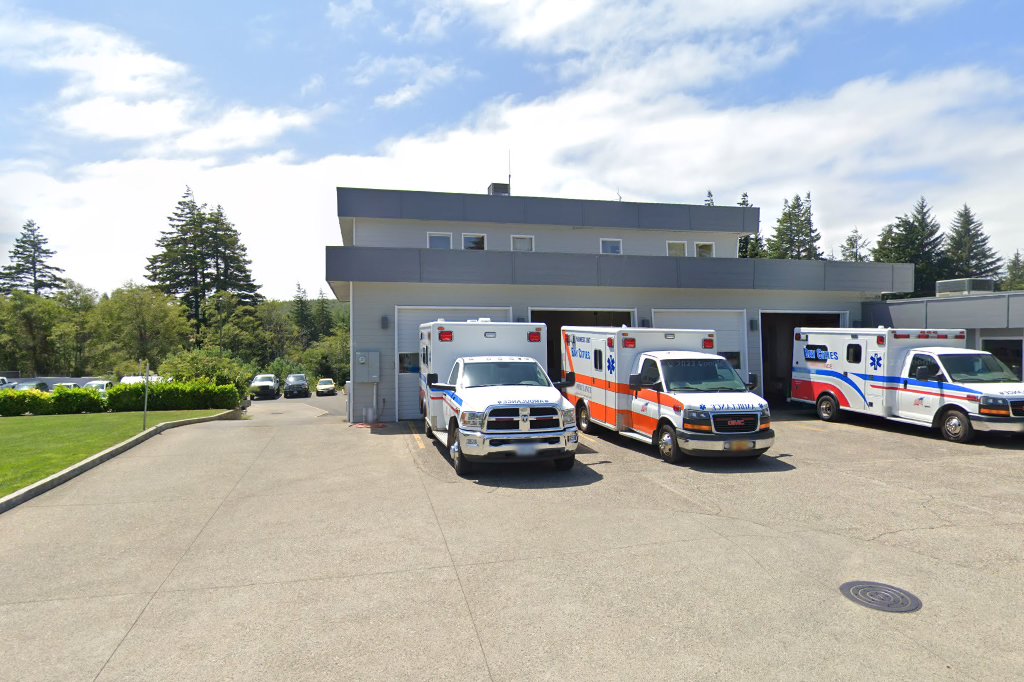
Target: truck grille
(511,419)
(1017,408)
(745,422)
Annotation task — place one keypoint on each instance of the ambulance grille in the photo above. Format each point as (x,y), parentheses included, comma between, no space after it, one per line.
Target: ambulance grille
(509,419)
(1017,407)
(735,422)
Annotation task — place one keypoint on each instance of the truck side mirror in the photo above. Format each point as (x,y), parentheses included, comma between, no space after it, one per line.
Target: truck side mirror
(634,382)
(751,381)
(431,379)
(569,380)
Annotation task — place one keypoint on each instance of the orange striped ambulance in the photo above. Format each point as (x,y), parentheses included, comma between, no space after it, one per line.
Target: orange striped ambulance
(666,387)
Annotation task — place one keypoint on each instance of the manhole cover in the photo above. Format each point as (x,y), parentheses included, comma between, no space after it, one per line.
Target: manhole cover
(880,596)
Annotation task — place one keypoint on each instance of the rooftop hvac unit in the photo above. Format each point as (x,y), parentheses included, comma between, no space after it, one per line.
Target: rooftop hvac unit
(968,286)
(499,188)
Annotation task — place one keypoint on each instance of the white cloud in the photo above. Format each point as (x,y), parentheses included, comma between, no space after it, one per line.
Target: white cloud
(419,77)
(244,128)
(343,13)
(111,118)
(312,86)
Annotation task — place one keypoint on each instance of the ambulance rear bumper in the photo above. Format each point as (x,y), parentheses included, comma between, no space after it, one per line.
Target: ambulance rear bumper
(725,444)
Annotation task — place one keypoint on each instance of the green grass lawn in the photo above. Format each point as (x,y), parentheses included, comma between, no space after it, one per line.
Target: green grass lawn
(32,448)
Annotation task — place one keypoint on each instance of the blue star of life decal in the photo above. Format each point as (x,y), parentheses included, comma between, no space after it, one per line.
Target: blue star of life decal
(876,362)
(611,365)
(703,407)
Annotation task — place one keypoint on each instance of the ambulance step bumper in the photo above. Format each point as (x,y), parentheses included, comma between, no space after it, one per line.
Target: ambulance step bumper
(725,444)
(532,445)
(983,422)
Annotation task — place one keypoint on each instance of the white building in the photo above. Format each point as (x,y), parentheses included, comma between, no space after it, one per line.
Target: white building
(412,257)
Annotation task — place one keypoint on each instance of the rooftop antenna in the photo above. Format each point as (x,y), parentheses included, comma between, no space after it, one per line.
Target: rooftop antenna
(510,170)
(618,194)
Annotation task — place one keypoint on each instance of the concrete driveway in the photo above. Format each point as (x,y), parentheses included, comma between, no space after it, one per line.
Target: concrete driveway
(296,546)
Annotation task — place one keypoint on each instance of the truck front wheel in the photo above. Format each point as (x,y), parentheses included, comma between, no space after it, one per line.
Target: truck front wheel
(668,444)
(583,418)
(459,462)
(828,408)
(955,426)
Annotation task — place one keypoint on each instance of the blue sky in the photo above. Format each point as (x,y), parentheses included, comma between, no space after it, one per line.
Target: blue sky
(111,108)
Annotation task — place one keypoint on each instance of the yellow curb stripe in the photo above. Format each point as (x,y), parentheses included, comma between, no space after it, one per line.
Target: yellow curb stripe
(416,435)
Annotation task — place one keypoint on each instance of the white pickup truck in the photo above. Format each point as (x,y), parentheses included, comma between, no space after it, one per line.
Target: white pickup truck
(494,407)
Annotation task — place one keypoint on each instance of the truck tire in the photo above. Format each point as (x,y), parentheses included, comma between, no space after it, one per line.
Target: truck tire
(828,408)
(459,463)
(668,444)
(427,431)
(955,426)
(565,463)
(583,422)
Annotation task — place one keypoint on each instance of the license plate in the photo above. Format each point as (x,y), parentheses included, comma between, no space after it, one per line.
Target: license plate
(526,449)
(741,445)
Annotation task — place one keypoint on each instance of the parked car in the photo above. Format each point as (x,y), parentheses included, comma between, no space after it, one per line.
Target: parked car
(265,386)
(100,385)
(37,385)
(141,379)
(296,385)
(4,383)
(326,387)
(66,384)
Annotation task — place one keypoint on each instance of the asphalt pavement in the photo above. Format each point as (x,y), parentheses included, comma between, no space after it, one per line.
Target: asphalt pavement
(294,545)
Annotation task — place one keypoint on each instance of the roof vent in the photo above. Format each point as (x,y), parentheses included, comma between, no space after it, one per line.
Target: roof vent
(498,188)
(969,286)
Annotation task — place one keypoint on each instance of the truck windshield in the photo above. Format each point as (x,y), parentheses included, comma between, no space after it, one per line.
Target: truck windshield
(980,368)
(706,376)
(504,374)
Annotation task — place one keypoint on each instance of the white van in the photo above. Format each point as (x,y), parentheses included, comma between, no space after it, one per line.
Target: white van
(666,387)
(917,376)
(484,393)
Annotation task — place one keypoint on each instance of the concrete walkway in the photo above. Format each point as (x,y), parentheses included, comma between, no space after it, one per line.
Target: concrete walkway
(297,546)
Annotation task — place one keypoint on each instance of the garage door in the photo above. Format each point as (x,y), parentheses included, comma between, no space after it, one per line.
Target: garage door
(407,343)
(729,326)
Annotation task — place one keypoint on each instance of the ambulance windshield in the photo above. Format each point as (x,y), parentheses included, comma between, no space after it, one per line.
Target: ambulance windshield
(478,374)
(979,368)
(704,376)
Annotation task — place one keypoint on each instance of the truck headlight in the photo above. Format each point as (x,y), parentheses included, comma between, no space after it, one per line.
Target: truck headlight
(473,420)
(997,403)
(696,415)
(568,416)
(765,413)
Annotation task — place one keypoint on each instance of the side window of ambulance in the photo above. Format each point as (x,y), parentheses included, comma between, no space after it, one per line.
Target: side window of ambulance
(649,373)
(853,353)
(454,376)
(598,360)
(925,361)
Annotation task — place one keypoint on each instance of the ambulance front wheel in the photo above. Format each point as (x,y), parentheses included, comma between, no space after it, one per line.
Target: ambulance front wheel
(459,463)
(955,426)
(668,444)
(828,408)
(583,418)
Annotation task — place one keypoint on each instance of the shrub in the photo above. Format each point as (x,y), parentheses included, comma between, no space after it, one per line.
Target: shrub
(76,401)
(190,395)
(15,403)
(209,363)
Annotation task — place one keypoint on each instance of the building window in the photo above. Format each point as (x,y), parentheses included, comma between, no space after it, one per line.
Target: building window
(705,249)
(408,363)
(677,249)
(522,242)
(1007,350)
(474,242)
(611,247)
(439,240)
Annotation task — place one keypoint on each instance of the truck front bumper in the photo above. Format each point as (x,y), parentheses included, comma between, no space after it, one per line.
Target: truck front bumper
(725,444)
(538,446)
(984,422)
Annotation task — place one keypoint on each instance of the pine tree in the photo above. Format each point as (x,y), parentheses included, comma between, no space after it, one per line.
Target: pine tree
(795,237)
(302,316)
(750,245)
(1014,278)
(967,251)
(855,248)
(914,238)
(229,260)
(29,270)
(709,200)
(323,323)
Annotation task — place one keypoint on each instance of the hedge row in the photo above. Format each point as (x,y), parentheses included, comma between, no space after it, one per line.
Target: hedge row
(193,395)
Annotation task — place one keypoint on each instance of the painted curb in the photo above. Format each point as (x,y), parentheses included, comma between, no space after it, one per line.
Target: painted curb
(54,480)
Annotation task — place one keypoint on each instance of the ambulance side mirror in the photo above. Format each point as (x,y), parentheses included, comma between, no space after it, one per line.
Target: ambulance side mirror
(634,382)
(569,380)
(752,382)
(925,374)
(431,379)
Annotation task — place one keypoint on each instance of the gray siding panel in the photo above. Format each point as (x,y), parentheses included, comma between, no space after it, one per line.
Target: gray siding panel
(902,277)
(556,268)
(790,274)
(369,203)
(466,267)
(348,264)
(664,216)
(636,271)
(876,313)
(973,312)
(554,212)
(909,314)
(842,276)
(495,209)
(415,205)
(610,214)
(716,217)
(717,273)
(1015,314)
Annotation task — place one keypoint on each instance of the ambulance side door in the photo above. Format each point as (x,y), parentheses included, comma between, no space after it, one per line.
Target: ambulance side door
(646,405)
(919,399)
(447,409)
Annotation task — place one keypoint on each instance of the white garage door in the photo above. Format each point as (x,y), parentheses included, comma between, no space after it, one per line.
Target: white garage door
(729,325)
(407,343)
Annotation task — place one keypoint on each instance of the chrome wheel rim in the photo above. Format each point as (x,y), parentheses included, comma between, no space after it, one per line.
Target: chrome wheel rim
(665,444)
(954,425)
(825,409)
(584,418)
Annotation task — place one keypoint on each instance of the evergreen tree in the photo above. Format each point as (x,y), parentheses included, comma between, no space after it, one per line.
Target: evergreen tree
(29,270)
(1014,278)
(709,200)
(855,248)
(750,245)
(795,236)
(914,238)
(967,251)
(302,316)
(199,255)
(323,322)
